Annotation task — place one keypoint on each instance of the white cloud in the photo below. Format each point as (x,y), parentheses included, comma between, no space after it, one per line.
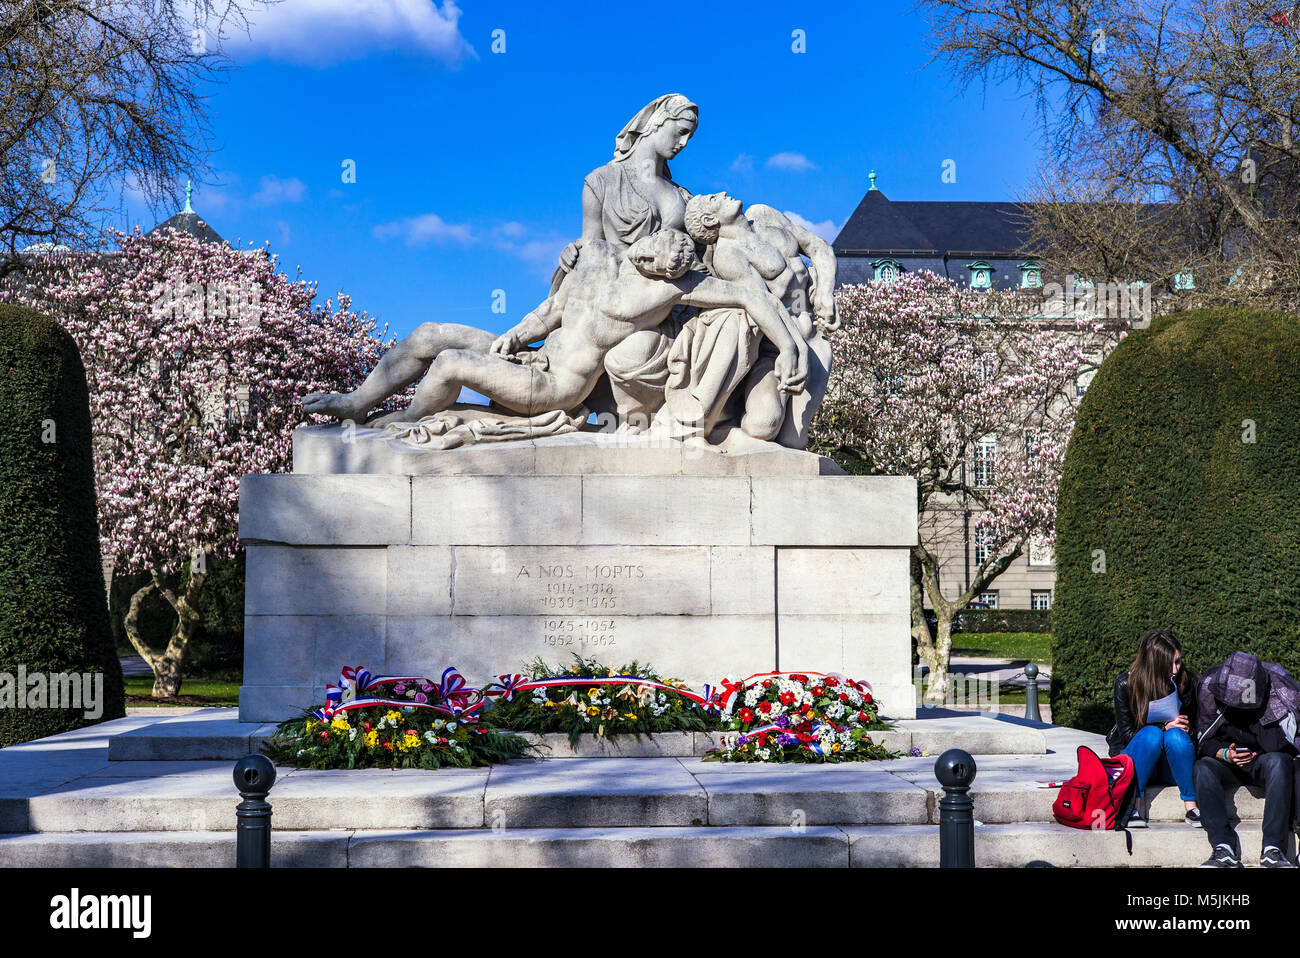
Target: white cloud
(323,32)
(513,230)
(283,227)
(793,162)
(419,230)
(826,229)
(744,163)
(272,189)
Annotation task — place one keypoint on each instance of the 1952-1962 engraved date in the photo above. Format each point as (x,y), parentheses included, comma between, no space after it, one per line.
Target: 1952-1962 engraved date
(578,633)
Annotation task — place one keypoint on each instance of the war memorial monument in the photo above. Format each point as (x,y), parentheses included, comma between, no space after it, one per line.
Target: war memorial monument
(636,486)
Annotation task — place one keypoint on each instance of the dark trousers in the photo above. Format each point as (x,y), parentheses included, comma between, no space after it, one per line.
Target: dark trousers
(1274,771)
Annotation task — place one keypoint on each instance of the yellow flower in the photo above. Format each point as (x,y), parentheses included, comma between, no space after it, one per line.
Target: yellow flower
(340,724)
(549,705)
(393,716)
(594,694)
(372,738)
(835,747)
(593,710)
(630,715)
(311,724)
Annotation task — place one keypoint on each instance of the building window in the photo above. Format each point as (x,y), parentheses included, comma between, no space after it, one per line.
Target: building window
(983,546)
(886,270)
(986,366)
(990,599)
(1040,600)
(1032,442)
(986,452)
(981,275)
(1031,274)
(1184,281)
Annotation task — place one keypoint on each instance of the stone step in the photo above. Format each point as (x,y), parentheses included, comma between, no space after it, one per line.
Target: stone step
(897,846)
(215,734)
(578,793)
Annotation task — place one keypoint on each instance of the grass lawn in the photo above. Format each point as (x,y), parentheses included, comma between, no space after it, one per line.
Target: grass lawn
(193,692)
(1017,646)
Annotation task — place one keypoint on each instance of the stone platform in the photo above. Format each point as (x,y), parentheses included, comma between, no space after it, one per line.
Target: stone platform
(699,563)
(63,803)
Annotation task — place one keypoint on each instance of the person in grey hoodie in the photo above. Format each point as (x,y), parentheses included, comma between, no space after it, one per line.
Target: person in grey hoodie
(1247,714)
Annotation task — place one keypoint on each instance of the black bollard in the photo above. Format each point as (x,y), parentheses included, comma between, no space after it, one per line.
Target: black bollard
(955,770)
(1031,694)
(254,776)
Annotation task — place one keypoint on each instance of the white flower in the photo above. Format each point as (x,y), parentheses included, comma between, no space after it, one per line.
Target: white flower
(752,697)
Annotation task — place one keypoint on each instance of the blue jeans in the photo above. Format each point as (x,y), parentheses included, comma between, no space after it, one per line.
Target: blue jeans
(1163,758)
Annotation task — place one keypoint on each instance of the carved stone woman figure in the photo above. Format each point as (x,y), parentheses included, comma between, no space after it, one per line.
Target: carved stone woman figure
(630,197)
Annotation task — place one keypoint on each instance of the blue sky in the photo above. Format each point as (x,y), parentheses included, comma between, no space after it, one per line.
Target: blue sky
(469,163)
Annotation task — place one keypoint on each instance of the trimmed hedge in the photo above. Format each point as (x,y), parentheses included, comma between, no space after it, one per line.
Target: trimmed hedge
(53,609)
(1198,526)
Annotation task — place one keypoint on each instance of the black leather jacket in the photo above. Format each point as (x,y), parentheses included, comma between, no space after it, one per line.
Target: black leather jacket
(1123,731)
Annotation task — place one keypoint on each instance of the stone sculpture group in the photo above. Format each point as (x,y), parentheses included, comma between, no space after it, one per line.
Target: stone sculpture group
(676,315)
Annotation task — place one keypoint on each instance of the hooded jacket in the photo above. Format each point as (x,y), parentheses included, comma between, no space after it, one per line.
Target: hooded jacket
(1243,682)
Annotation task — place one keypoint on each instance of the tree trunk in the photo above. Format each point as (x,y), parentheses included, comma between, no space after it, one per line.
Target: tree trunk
(932,649)
(168,666)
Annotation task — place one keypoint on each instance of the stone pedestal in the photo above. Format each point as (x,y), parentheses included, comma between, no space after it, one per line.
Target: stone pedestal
(697,563)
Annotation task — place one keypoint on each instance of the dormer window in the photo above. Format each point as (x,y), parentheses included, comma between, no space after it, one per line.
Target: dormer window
(887,270)
(1031,274)
(981,275)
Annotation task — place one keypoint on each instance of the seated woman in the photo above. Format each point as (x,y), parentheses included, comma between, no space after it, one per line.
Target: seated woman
(1155,712)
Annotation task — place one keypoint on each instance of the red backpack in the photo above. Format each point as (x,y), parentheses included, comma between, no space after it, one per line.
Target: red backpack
(1100,796)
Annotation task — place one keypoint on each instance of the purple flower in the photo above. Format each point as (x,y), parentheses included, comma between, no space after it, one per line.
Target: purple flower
(783,721)
(421,697)
(914,752)
(786,739)
(743,740)
(426,686)
(400,688)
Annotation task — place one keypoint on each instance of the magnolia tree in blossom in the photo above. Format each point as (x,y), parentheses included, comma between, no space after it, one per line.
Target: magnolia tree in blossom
(926,369)
(196,356)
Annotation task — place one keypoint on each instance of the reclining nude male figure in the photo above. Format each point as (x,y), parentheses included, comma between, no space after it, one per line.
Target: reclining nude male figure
(606,298)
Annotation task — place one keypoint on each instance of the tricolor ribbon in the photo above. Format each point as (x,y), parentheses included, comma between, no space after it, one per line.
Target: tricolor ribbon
(355,682)
(509,685)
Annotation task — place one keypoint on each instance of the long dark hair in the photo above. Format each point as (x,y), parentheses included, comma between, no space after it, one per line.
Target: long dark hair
(1148,676)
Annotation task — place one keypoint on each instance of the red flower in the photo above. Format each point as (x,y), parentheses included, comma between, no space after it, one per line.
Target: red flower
(767,683)
(365,726)
(864,718)
(765,707)
(799,678)
(388,745)
(411,731)
(844,696)
(746,716)
(819,690)
(324,735)
(442,741)
(867,698)
(786,698)
(832,681)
